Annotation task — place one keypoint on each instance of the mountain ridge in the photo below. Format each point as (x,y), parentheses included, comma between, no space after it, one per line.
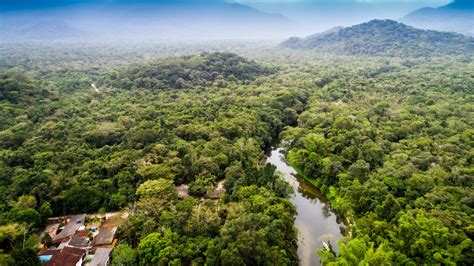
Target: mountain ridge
(384,37)
(166,21)
(457,16)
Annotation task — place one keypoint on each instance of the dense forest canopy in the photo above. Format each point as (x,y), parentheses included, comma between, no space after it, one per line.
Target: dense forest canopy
(388,140)
(385,37)
(393,151)
(189,72)
(93,149)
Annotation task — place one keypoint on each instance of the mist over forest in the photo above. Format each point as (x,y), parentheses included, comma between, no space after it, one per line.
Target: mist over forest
(201,20)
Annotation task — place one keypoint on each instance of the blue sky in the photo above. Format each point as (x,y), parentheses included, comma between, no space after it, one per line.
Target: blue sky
(61,2)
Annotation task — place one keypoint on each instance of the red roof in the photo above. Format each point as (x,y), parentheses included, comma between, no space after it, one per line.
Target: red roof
(69,256)
(46,251)
(81,233)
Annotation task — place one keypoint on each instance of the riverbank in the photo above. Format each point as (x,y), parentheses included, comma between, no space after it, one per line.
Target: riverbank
(331,198)
(315,220)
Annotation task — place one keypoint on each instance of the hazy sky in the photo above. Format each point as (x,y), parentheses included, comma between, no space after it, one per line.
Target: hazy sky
(329,1)
(197,20)
(27,4)
(35,4)
(427,2)
(61,2)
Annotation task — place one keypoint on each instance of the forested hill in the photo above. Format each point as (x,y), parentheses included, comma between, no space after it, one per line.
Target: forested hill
(189,71)
(385,37)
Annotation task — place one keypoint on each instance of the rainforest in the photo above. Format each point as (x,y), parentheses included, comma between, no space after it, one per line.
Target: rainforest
(171,145)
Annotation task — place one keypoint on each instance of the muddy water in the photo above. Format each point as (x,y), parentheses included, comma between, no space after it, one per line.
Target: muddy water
(315,220)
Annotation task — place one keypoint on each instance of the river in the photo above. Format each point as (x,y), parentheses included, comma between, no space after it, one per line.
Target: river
(316,222)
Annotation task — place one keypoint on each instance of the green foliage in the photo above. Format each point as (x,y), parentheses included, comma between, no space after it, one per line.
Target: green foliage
(46,240)
(10,235)
(385,37)
(124,255)
(388,140)
(160,188)
(45,211)
(18,88)
(25,257)
(188,71)
(26,215)
(387,150)
(358,252)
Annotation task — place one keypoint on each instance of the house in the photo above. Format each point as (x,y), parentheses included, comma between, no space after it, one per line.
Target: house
(101,257)
(74,224)
(46,255)
(68,256)
(106,236)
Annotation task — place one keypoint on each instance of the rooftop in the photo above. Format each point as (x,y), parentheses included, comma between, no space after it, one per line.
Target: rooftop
(106,236)
(71,227)
(101,257)
(68,256)
(81,233)
(80,242)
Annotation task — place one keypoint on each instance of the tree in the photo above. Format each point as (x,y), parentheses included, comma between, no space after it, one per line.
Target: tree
(45,212)
(158,248)
(160,188)
(25,257)
(10,235)
(47,240)
(124,255)
(26,215)
(201,184)
(25,201)
(359,170)
(156,171)
(204,220)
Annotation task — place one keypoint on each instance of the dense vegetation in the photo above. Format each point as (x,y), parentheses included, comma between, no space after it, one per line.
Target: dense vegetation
(385,37)
(388,140)
(91,150)
(189,72)
(393,150)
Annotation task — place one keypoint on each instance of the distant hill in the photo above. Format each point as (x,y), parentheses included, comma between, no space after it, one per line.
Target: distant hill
(188,72)
(457,16)
(384,37)
(145,20)
(49,30)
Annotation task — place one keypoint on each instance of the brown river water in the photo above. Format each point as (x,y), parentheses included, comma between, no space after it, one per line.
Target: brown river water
(315,221)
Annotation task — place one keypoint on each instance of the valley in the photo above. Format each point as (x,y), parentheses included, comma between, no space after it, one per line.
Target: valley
(349,147)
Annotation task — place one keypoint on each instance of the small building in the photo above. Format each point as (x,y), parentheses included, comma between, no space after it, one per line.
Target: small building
(46,255)
(106,236)
(101,257)
(75,222)
(68,256)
